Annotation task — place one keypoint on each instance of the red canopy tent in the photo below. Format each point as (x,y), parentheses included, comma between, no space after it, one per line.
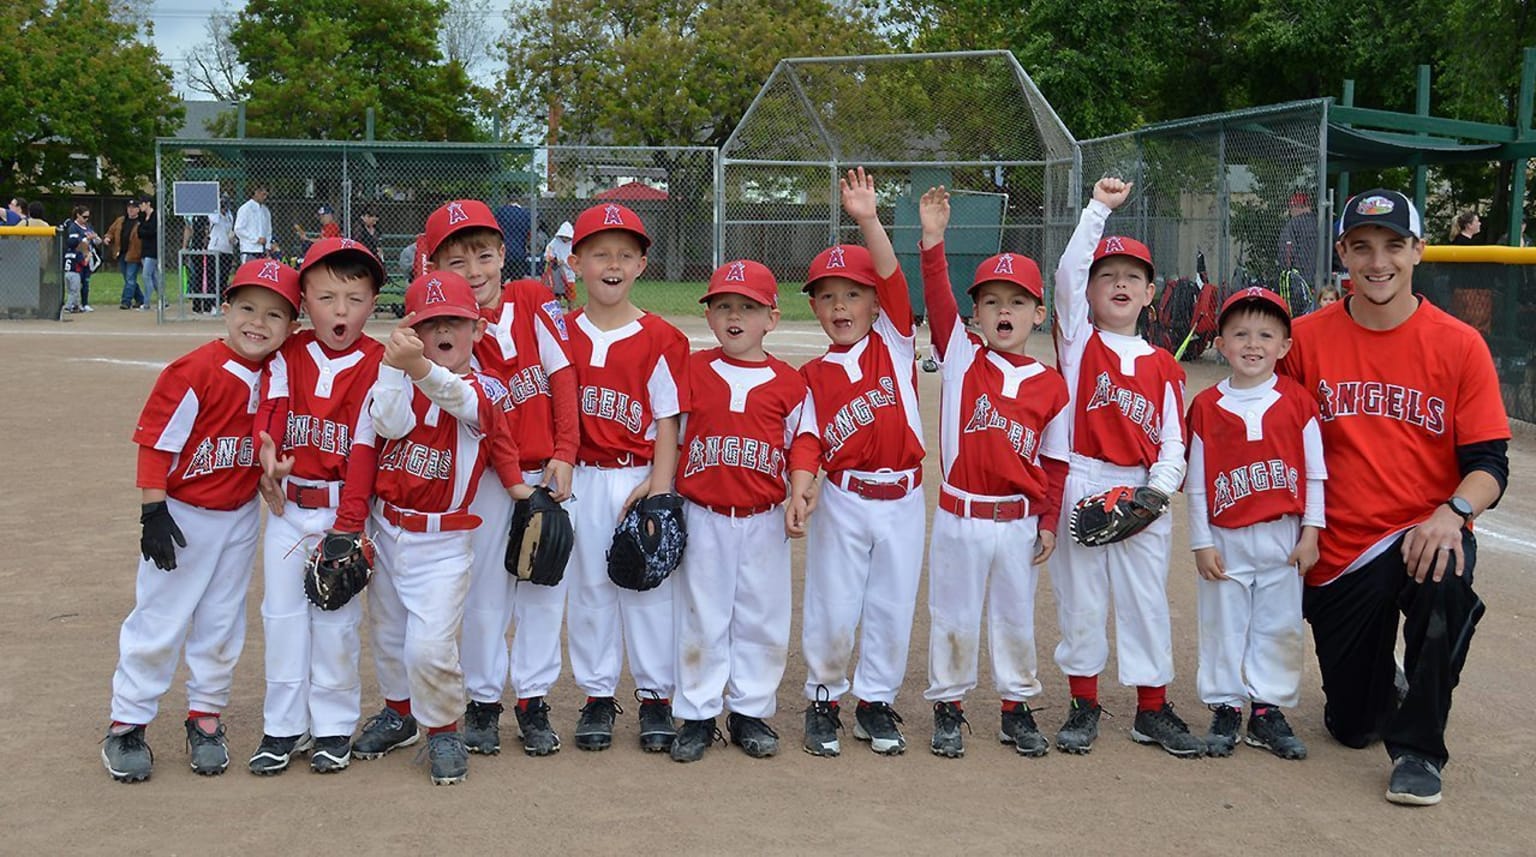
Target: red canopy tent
(631,192)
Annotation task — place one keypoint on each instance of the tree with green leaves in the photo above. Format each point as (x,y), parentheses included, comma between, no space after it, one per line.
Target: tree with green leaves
(78,91)
(314,67)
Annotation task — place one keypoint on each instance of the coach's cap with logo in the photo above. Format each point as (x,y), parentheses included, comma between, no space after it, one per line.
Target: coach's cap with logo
(1119,245)
(440,293)
(325,209)
(269,274)
(327,247)
(609,215)
(1010,268)
(849,261)
(747,278)
(1381,207)
(1251,296)
(454,217)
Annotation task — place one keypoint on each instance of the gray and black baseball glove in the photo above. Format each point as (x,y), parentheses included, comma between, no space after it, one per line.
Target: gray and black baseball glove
(1115,515)
(649,543)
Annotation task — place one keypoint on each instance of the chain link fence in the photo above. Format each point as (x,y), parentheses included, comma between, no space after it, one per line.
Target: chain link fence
(972,121)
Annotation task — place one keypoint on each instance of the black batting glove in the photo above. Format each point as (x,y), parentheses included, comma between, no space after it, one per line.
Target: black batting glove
(159,531)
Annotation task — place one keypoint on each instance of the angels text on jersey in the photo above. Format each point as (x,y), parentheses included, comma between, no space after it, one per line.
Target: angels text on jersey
(984,417)
(732,451)
(1242,482)
(1136,407)
(1379,399)
(859,412)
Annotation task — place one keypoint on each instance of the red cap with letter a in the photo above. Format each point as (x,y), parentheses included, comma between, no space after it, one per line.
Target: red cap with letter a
(440,293)
(849,261)
(1119,245)
(455,216)
(269,274)
(747,278)
(1249,296)
(326,247)
(609,215)
(1012,268)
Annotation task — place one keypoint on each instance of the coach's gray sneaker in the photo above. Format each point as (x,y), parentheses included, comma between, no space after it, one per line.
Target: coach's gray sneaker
(1415,781)
(693,739)
(206,746)
(1164,728)
(450,759)
(539,738)
(385,731)
(822,725)
(126,755)
(1077,735)
(1221,740)
(657,730)
(331,753)
(275,752)
(594,731)
(482,727)
(756,738)
(947,740)
(1267,729)
(875,722)
(1018,728)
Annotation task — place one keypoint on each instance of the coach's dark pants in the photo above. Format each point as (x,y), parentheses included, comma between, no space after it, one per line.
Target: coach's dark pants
(1354,624)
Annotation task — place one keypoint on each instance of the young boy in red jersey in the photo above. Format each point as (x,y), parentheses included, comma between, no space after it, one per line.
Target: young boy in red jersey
(197,470)
(1125,429)
(998,506)
(526,348)
(630,367)
(440,423)
(860,423)
(733,598)
(315,411)
(1255,488)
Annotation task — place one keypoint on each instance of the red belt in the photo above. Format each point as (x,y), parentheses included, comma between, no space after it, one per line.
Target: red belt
(310,496)
(872,490)
(987,510)
(429,522)
(531,466)
(740,511)
(628,459)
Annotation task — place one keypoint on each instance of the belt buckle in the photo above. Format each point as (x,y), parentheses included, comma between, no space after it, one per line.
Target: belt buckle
(997,512)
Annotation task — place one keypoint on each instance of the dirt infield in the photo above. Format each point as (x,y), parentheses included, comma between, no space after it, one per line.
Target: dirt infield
(72,392)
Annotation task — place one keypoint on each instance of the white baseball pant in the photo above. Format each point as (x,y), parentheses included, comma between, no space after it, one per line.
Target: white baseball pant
(863,559)
(416,605)
(732,605)
(1252,641)
(200,605)
(604,621)
(971,560)
(312,655)
(1134,570)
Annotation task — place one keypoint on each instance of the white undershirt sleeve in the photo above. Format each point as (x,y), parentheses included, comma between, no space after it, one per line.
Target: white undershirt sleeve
(1168,471)
(1194,491)
(390,404)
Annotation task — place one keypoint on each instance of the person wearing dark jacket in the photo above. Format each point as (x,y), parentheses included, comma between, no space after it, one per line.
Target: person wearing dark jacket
(149,234)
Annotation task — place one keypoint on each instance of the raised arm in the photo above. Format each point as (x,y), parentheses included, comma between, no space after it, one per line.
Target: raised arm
(1071,297)
(938,291)
(858,190)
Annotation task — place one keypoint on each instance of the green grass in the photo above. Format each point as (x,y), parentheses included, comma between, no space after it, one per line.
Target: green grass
(682,299)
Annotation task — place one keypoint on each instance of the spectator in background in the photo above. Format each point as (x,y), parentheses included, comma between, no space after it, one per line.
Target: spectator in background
(34,216)
(557,255)
(329,228)
(79,239)
(367,232)
(1296,248)
(221,246)
(516,223)
(253,225)
(1465,227)
(128,252)
(149,235)
(15,211)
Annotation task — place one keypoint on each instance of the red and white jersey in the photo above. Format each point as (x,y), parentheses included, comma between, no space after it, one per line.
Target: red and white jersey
(1252,451)
(1394,406)
(327,395)
(436,437)
(736,436)
(525,342)
(1127,395)
(200,411)
(861,402)
(628,378)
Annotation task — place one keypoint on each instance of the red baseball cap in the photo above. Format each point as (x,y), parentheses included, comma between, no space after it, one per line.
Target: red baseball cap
(455,216)
(747,278)
(331,246)
(1299,199)
(849,261)
(440,293)
(1119,245)
(1010,268)
(609,215)
(269,274)
(1249,296)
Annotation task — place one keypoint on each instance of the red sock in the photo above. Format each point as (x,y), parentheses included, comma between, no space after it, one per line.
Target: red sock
(438,730)
(1084,687)
(401,707)
(1151,698)
(199,715)
(1011,705)
(522,704)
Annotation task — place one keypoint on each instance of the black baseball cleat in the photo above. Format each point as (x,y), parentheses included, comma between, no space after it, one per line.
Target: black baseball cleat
(482,727)
(875,722)
(1164,728)
(1268,729)
(594,731)
(822,725)
(693,739)
(207,747)
(657,730)
(275,753)
(1077,735)
(388,730)
(947,720)
(755,738)
(1018,728)
(331,753)
(539,738)
(1222,737)
(126,755)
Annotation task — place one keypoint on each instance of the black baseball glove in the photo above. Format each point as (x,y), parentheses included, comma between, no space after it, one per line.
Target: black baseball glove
(1115,515)
(337,569)
(540,542)
(649,543)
